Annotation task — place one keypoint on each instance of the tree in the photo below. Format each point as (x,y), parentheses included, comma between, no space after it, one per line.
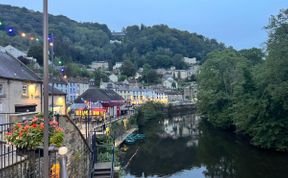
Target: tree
(239,90)
(174,85)
(254,55)
(217,79)
(149,75)
(37,53)
(128,68)
(100,75)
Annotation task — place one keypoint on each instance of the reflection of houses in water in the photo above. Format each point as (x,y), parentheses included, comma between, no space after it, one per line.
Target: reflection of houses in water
(182,126)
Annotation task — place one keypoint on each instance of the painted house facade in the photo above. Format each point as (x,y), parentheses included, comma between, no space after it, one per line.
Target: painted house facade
(20,88)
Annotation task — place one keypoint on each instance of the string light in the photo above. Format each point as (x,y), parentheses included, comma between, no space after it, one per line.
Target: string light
(23,34)
(12,32)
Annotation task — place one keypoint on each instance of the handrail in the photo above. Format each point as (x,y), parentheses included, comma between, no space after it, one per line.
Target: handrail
(78,130)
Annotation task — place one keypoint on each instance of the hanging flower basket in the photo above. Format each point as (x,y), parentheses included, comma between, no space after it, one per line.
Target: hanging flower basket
(37,152)
(28,137)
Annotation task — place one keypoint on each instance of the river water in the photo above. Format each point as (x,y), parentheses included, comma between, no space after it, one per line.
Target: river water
(180,147)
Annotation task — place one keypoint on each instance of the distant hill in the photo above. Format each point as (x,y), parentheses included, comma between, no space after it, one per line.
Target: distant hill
(159,45)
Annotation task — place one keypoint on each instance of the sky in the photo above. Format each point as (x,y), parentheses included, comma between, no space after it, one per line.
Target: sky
(237,23)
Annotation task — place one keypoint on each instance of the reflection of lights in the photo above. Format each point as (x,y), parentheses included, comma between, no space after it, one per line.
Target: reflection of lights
(37,39)
(32,38)
(51,44)
(65,76)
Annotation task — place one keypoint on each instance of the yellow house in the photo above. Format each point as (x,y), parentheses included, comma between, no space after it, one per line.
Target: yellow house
(57,101)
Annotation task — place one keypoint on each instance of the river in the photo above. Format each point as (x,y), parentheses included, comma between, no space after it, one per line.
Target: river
(180,147)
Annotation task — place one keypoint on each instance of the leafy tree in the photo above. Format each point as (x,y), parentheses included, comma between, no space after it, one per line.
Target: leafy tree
(174,85)
(254,55)
(240,90)
(128,68)
(100,75)
(37,53)
(149,75)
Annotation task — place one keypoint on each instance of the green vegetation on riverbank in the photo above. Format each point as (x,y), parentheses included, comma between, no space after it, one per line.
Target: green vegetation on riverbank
(149,111)
(238,89)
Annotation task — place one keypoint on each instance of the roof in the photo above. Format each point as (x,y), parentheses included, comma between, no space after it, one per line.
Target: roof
(78,80)
(96,94)
(83,105)
(12,68)
(55,91)
(14,51)
(58,81)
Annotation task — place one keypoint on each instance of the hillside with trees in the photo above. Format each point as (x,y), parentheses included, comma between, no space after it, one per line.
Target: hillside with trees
(242,92)
(158,46)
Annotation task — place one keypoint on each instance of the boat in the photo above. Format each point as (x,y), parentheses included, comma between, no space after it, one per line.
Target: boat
(133,138)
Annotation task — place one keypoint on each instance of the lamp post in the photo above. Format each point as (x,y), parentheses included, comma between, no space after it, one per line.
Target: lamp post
(45,88)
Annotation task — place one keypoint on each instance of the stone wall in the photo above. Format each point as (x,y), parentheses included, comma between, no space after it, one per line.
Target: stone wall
(78,156)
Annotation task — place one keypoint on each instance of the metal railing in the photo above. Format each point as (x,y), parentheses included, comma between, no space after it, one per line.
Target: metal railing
(23,163)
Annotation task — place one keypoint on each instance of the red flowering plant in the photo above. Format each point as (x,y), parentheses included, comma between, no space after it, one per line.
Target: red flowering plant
(29,134)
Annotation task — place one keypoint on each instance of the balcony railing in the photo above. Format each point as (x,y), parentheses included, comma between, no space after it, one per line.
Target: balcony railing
(23,163)
(16,163)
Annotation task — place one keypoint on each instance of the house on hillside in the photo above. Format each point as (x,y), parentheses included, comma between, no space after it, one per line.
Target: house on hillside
(99,65)
(180,74)
(113,78)
(20,88)
(190,92)
(174,96)
(170,83)
(117,65)
(190,61)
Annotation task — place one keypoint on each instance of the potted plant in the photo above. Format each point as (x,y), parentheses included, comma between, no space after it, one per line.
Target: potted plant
(28,136)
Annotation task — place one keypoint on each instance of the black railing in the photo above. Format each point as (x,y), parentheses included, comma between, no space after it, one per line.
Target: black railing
(23,163)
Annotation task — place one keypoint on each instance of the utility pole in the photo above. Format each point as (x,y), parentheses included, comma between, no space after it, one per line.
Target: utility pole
(51,44)
(45,85)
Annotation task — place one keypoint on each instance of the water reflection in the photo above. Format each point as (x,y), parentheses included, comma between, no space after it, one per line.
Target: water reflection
(181,147)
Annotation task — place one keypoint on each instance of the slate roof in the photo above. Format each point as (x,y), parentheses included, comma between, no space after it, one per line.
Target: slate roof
(55,91)
(11,68)
(58,81)
(96,95)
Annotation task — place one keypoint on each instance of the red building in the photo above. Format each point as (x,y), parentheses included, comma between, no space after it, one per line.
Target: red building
(99,102)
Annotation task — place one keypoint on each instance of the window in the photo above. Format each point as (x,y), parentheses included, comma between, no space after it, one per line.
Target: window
(1,89)
(24,90)
(1,106)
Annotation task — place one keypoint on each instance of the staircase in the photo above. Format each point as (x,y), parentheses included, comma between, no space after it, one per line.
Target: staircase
(102,170)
